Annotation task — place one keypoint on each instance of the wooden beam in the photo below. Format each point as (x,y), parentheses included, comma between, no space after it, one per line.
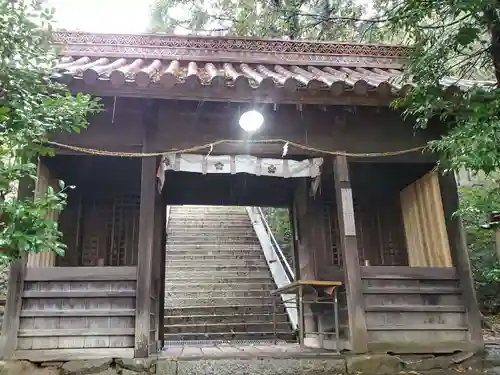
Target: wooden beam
(459,254)
(76,313)
(358,334)
(416,290)
(15,288)
(416,308)
(408,273)
(81,294)
(226,94)
(54,332)
(82,274)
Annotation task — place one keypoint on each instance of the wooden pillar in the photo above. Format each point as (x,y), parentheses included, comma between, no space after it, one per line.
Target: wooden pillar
(161,296)
(358,335)
(145,269)
(44,181)
(158,264)
(15,288)
(145,258)
(460,256)
(306,269)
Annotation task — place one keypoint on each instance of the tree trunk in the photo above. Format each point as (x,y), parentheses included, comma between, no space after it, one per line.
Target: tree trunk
(493,20)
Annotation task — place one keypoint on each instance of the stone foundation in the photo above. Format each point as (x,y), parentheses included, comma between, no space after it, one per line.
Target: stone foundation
(374,364)
(4,278)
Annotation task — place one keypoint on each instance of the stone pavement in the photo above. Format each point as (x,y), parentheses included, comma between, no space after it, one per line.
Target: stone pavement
(281,359)
(234,351)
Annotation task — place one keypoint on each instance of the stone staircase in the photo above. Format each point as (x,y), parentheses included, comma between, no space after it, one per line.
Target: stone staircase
(217,282)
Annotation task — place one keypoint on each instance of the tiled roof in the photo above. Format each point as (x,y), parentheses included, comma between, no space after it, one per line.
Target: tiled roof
(168,73)
(166,61)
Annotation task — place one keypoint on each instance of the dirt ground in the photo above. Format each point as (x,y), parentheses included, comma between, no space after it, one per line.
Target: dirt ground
(493,334)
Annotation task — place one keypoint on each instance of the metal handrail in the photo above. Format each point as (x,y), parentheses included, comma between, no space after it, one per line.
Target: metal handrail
(277,249)
(278,265)
(167,215)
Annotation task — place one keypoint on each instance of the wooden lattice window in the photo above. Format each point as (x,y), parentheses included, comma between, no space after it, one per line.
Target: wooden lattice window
(332,232)
(110,231)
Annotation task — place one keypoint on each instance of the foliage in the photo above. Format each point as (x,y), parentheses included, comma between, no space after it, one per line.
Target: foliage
(450,41)
(279,222)
(458,39)
(475,204)
(455,38)
(32,106)
(293,19)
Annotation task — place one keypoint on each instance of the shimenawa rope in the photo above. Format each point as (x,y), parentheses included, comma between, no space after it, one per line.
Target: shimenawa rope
(211,146)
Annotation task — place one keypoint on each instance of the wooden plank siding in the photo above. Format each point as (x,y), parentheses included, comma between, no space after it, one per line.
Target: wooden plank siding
(424,223)
(412,308)
(77,308)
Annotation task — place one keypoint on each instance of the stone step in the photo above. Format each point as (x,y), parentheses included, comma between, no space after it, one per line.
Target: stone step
(204,293)
(209,263)
(286,336)
(215,216)
(204,245)
(221,276)
(216,240)
(210,249)
(179,278)
(215,267)
(186,230)
(188,286)
(217,280)
(210,208)
(217,301)
(203,328)
(225,318)
(208,224)
(239,254)
(211,233)
(203,237)
(223,310)
(174,226)
(170,257)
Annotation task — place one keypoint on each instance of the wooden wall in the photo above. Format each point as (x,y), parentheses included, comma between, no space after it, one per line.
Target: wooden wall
(311,250)
(100,224)
(76,310)
(379,222)
(414,309)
